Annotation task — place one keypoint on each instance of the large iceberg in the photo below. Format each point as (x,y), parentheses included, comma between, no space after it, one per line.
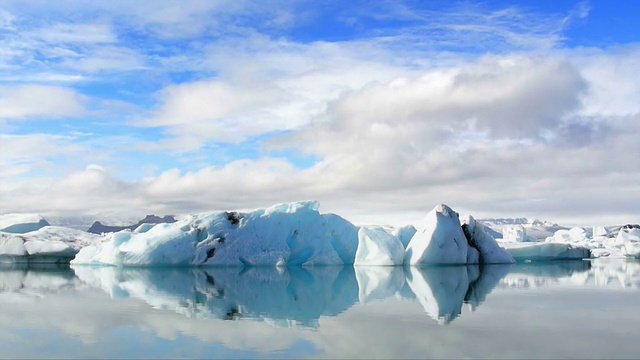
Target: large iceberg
(440,239)
(285,234)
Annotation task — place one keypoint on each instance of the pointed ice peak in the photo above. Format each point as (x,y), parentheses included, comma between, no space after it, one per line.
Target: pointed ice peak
(445,210)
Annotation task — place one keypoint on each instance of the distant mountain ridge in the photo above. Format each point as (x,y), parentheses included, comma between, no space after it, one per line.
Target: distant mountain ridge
(505,221)
(99,228)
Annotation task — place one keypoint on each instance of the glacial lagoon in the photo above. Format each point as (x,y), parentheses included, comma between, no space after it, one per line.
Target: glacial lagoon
(559,309)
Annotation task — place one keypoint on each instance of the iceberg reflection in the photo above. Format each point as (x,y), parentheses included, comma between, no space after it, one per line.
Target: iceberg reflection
(297,296)
(443,290)
(602,272)
(283,296)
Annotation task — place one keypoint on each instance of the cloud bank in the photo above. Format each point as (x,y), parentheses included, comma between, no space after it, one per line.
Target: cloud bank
(124,109)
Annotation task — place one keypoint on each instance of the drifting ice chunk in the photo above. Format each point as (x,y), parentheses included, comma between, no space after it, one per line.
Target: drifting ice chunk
(438,240)
(600,231)
(490,251)
(377,247)
(574,235)
(286,234)
(12,245)
(21,223)
(628,240)
(516,233)
(578,234)
(50,244)
(546,251)
(561,236)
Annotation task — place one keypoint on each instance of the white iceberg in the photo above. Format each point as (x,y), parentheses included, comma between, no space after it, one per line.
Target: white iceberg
(489,250)
(573,235)
(628,240)
(516,233)
(439,239)
(285,234)
(21,223)
(377,247)
(49,244)
(600,231)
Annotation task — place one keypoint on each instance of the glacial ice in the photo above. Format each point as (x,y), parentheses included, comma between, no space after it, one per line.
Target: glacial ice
(438,240)
(377,247)
(284,234)
(628,240)
(21,223)
(297,234)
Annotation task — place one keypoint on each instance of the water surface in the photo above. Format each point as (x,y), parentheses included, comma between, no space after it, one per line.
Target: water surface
(576,309)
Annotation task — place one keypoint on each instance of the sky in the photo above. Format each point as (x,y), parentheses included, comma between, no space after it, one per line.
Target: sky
(380,110)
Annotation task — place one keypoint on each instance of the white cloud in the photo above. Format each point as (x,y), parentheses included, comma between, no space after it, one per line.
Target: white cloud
(614,83)
(20,102)
(76,33)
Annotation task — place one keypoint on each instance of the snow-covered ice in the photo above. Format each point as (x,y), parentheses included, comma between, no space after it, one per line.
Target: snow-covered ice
(628,240)
(21,223)
(48,244)
(293,234)
(516,233)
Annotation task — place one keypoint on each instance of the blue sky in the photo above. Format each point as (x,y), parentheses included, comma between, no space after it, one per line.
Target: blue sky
(380,110)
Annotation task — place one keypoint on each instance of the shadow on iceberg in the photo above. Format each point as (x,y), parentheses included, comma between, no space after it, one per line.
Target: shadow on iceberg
(442,290)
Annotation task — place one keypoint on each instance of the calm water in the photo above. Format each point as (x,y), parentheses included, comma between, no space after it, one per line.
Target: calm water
(578,309)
